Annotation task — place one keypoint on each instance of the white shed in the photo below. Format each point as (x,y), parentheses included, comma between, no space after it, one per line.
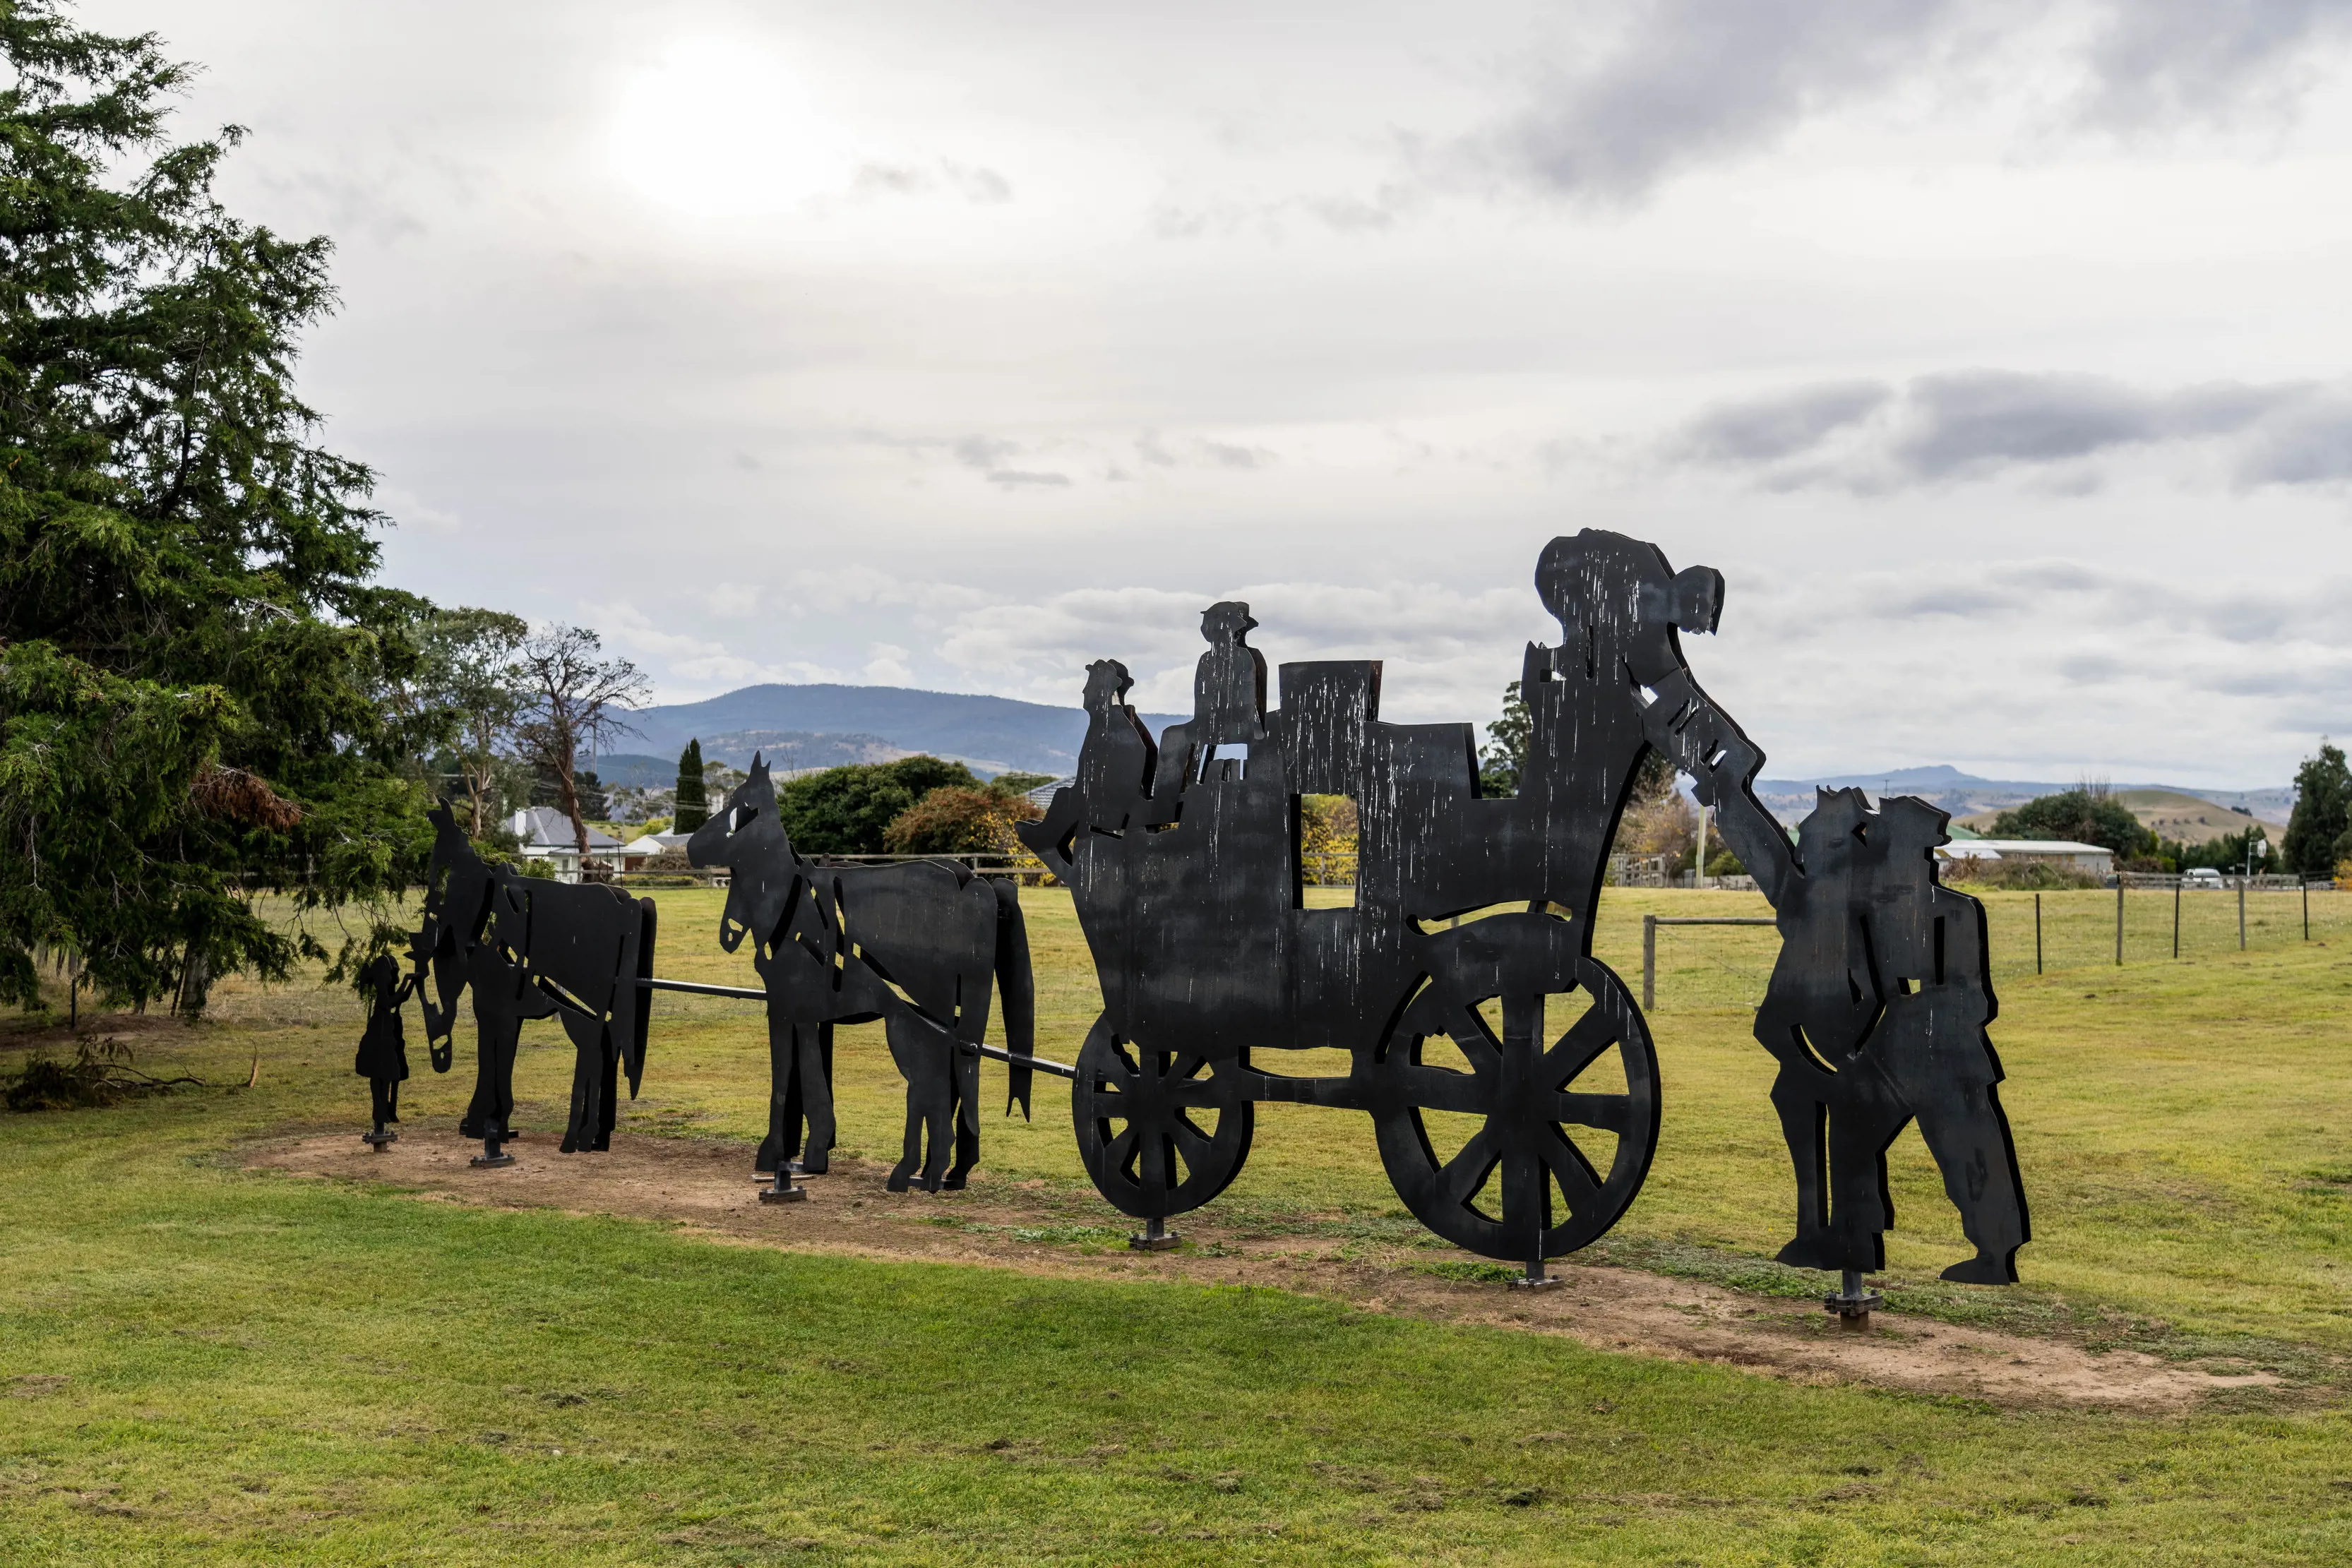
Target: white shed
(2088,858)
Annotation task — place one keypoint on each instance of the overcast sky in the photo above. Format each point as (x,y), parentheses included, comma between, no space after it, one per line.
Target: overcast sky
(1997,354)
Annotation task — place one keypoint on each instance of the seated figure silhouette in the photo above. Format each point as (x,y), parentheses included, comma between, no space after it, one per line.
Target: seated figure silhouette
(1228,711)
(1115,765)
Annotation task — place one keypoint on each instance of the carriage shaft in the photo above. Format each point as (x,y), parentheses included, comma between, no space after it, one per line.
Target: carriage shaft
(746,993)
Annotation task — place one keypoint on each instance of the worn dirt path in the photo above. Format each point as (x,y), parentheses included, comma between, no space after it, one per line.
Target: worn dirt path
(707,1185)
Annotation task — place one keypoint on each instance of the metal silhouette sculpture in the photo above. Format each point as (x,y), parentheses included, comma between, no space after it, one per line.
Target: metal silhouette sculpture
(920,945)
(1510,1080)
(1878,1005)
(529,947)
(1500,1129)
(383,1057)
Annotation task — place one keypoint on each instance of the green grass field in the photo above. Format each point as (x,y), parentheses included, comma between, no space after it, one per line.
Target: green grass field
(202,1362)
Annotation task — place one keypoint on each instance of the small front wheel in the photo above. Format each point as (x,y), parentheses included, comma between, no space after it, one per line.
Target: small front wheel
(1162,1132)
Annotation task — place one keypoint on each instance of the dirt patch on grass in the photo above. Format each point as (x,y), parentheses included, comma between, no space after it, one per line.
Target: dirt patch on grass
(707,1185)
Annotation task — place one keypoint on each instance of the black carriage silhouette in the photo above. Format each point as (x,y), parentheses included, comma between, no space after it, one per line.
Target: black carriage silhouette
(1472,924)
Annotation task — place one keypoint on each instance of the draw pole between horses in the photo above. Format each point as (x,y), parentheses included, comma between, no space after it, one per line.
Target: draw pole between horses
(748,994)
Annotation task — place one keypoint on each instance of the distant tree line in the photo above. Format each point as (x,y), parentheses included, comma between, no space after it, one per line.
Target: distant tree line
(915,805)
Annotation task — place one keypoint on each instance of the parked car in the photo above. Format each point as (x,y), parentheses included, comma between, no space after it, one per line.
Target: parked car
(2202,876)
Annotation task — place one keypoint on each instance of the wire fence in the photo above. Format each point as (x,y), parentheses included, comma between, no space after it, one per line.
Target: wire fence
(1689,960)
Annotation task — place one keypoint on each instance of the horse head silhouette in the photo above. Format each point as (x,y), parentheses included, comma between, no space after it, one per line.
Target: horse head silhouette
(748,837)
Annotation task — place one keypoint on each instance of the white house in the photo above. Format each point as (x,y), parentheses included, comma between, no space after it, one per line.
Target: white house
(2088,858)
(637,851)
(546,835)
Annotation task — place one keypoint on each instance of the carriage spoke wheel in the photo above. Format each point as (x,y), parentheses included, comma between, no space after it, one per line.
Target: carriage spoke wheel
(1521,1186)
(1161,1132)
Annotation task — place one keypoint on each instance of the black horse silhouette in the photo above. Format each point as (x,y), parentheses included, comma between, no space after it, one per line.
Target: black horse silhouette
(915,944)
(529,949)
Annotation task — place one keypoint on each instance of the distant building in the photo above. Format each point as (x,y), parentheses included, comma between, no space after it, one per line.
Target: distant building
(2088,858)
(546,835)
(638,851)
(1042,797)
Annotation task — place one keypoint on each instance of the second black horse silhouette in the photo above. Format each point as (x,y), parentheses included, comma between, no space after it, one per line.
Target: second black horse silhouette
(915,944)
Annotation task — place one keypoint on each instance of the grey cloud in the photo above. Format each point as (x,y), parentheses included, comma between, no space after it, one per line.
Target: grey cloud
(983,186)
(892,178)
(1200,451)
(2094,669)
(2312,444)
(1987,418)
(2164,62)
(1225,456)
(1973,424)
(984,451)
(1022,478)
(1697,79)
(1766,429)
(1690,81)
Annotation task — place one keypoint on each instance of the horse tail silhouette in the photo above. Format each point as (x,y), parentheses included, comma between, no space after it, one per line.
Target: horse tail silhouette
(1015,984)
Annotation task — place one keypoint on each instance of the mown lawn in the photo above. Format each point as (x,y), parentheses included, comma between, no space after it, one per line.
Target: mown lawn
(203,1363)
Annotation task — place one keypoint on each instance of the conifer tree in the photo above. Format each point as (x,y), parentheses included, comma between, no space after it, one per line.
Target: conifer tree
(693,799)
(199,679)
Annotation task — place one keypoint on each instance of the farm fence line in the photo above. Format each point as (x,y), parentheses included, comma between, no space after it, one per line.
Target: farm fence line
(1697,960)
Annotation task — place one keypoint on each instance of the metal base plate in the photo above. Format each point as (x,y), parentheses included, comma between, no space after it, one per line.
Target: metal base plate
(786,1195)
(1547,1283)
(1144,1242)
(378,1140)
(1854,1309)
(487,1162)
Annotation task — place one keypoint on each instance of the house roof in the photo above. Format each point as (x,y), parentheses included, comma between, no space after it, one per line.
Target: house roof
(1993,849)
(658,843)
(545,828)
(1042,797)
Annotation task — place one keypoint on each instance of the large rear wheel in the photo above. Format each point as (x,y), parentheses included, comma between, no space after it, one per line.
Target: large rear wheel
(1499,1135)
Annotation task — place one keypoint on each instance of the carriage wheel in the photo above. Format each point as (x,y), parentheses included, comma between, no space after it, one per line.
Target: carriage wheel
(1520,1185)
(1162,1132)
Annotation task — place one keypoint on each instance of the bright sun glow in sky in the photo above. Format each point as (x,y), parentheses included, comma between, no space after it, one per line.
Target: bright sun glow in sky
(721,128)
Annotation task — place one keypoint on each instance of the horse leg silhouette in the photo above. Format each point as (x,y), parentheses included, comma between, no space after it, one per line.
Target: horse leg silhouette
(611,1101)
(964,1072)
(783,1140)
(496,1034)
(923,1051)
(800,1095)
(814,1082)
(590,1127)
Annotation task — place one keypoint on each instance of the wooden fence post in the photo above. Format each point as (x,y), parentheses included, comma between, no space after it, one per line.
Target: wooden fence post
(2241,914)
(2037,934)
(1649,962)
(2176,917)
(2119,922)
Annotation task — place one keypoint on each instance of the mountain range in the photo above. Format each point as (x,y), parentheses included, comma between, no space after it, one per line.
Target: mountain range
(800,727)
(825,724)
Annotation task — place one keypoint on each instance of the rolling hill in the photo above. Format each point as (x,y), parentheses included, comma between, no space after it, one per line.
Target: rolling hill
(991,735)
(2172,814)
(1974,801)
